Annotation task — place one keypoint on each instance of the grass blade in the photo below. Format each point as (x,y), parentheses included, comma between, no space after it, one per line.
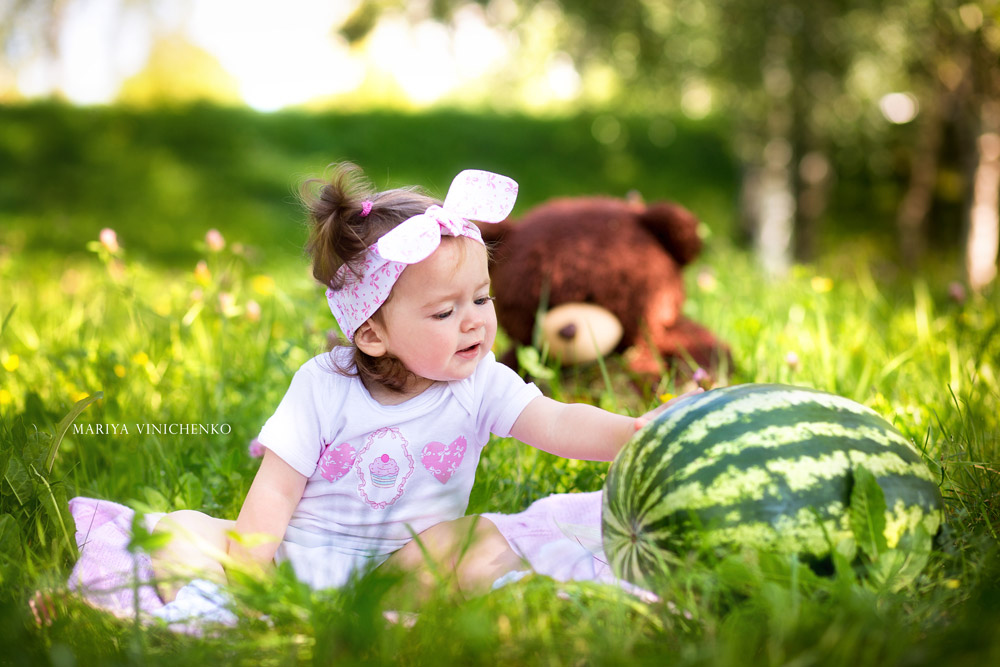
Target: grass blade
(10,314)
(64,425)
(58,511)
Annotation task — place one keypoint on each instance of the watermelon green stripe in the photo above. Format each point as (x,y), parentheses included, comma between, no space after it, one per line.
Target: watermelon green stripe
(804,465)
(777,501)
(742,433)
(803,532)
(673,421)
(776,496)
(823,436)
(800,441)
(681,434)
(887,463)
(854,427)
(775,398)
(692,408)
(827,500)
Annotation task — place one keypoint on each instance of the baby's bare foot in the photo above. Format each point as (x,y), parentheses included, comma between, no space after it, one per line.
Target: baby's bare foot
(42,608)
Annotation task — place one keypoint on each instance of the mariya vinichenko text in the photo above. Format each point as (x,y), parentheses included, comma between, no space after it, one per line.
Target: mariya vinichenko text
(152,429)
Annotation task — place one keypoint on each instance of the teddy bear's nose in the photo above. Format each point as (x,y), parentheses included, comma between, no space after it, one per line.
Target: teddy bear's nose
(568,332)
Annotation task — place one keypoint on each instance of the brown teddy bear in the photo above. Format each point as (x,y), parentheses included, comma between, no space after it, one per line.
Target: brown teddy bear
(606,273)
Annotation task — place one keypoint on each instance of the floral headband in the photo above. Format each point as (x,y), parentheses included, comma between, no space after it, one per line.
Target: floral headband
(473,195)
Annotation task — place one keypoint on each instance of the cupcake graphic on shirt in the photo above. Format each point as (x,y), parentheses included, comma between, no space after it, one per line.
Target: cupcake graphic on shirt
(384,471)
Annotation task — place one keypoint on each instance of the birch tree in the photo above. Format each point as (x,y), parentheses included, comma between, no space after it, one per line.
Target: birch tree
(983,238)
(956,72)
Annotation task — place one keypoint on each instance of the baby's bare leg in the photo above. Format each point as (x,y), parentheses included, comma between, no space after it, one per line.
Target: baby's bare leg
(469,553)
(197,546)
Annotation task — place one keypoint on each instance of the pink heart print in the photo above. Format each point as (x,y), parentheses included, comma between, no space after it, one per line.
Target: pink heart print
(443,460)
(337,461)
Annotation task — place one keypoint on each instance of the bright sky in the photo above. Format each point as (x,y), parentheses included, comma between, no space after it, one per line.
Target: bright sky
(287,52)
(281,53)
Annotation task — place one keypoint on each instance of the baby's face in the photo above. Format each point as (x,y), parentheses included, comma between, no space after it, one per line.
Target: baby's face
(440,321)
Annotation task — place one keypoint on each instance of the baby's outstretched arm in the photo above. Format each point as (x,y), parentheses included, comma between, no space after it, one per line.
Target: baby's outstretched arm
(577,430)
(273,496)
(572,430)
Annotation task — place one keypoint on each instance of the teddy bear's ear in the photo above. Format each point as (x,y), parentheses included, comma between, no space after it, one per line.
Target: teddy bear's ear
(494,233)
(675,227)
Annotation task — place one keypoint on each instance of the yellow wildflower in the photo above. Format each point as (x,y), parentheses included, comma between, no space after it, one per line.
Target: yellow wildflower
(11,363)
(119,370)
(202,274)
(140,358)
(5,397)
(263,285)
(952,583)
(821,284)
(162,306)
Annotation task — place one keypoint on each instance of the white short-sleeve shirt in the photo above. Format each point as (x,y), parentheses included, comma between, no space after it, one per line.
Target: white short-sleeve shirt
(379,474)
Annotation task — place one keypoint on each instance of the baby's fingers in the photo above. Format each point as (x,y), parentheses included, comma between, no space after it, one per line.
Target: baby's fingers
(660,409)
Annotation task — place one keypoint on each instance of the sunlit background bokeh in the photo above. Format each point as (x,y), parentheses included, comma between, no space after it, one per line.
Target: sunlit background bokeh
(273,55)
(825,108)
(358,53)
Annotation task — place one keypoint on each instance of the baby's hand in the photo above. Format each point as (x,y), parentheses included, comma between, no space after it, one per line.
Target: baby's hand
(655,412)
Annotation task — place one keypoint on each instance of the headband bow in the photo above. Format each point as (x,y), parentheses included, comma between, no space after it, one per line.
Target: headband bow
(473,195)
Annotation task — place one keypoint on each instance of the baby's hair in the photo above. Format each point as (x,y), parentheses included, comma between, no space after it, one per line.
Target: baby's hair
(340,233)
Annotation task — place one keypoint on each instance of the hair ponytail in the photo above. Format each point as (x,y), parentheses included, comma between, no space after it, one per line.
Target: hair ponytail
(341,228)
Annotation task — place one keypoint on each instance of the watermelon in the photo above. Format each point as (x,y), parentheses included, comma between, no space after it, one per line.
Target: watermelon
(765,466)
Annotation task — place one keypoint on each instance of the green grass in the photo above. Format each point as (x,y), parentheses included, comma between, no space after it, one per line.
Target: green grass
(157,340)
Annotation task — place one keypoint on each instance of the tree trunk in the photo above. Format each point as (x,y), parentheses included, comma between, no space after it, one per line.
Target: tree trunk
(911,218)
(983,241)
(814,177)
(776,199)
(776,217)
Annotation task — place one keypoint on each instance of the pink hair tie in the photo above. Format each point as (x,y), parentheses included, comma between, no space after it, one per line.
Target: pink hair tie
(366,208)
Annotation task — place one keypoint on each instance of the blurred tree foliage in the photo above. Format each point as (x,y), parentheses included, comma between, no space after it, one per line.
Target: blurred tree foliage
(179,72)
(816,93)
(804,83)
